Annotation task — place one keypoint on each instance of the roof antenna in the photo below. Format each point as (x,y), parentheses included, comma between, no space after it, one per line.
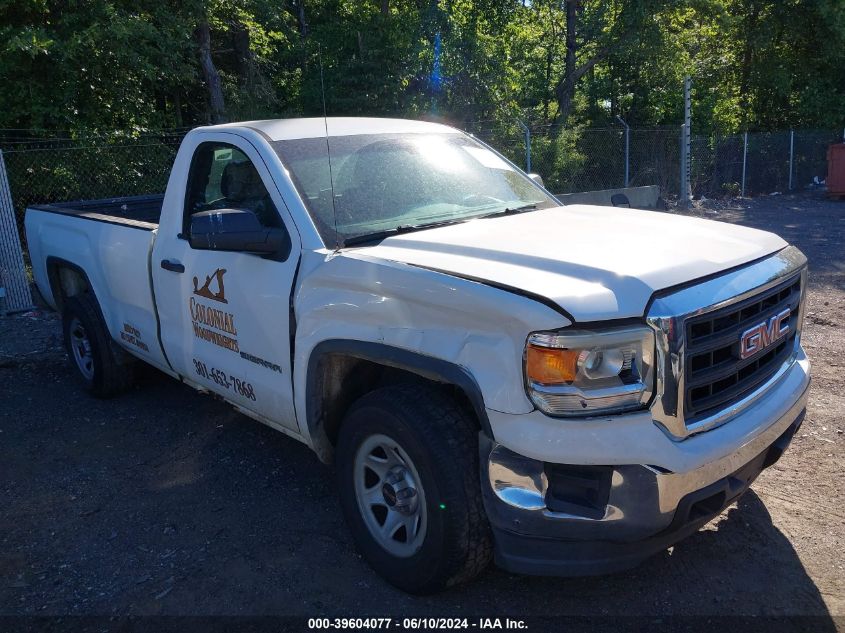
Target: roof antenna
(328,147)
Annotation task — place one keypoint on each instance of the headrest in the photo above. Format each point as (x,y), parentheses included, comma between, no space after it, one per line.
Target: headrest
(240,181)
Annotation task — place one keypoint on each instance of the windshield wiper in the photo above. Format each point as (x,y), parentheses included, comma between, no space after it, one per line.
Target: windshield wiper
(509,211)
(402,228)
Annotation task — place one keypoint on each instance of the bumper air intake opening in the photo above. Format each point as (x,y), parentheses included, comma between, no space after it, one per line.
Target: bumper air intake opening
(579,490)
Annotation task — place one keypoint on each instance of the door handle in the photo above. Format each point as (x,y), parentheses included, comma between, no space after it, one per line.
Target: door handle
(174,267)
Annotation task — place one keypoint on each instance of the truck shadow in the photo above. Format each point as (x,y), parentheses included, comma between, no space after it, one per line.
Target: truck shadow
(164,501)
(247,479)
(740,566)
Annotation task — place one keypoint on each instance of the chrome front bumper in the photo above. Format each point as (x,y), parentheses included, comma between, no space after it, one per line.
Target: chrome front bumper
(645,508)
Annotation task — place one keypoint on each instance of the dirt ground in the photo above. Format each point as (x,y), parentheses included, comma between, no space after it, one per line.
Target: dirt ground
(164,501)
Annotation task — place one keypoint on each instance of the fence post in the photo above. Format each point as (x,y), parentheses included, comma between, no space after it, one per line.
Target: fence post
(627,147)
(15,295)
(685,194)
(744,157)
(527,131)
(682,185)
(791,147)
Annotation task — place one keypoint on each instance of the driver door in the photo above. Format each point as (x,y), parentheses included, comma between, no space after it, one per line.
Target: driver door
(225,315)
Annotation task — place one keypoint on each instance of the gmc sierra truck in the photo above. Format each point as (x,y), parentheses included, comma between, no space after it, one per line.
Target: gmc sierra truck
(566,389)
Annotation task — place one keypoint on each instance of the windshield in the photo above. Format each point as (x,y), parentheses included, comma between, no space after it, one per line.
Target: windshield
(391,183)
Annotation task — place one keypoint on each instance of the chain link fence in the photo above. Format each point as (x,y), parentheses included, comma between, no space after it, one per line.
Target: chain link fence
(756,163)
(47,170)
(44,169)
(759,163)
(655,159)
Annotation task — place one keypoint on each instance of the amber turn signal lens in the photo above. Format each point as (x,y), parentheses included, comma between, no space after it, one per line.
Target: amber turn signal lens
(549,366)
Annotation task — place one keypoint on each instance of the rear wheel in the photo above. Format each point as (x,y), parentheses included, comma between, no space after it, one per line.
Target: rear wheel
(103,368)
(80,349)
(407,467)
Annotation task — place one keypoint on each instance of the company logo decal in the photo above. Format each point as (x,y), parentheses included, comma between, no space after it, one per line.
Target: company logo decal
(764,334)
(218,326)
(209,323)
(206,292)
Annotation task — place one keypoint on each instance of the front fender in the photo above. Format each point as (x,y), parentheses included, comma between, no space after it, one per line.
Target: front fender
(454,330)
(428,367)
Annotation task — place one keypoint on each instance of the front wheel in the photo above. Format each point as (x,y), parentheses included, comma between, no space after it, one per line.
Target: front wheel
(407,467)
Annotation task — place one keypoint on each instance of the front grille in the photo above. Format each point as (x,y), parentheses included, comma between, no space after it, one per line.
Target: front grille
(715,376)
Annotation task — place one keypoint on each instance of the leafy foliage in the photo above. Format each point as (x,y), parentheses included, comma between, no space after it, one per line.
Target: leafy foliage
(136,65)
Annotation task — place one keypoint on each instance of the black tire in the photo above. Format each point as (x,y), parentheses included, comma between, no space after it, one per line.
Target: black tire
(441,439)
(111,369)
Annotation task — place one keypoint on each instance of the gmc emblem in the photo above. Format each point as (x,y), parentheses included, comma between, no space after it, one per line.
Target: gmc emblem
(764,334)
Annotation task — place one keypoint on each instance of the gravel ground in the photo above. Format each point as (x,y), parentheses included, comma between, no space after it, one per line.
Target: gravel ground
(164,501)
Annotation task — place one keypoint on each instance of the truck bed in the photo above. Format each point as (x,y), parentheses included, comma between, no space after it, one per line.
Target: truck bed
(137,211)
(108,243)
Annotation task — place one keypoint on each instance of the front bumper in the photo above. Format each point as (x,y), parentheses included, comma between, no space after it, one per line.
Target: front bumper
(580,518)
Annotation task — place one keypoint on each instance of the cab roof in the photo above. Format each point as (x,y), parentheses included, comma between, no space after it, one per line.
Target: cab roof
(289,129)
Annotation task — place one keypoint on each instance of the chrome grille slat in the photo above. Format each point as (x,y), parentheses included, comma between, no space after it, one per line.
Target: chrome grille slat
(738,390)
(709,386)
(720,371)
(727,336)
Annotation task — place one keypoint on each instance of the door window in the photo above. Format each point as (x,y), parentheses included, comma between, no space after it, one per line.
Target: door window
(223,177)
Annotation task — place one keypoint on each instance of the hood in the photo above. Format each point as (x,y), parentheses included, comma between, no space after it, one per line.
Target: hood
(595,263)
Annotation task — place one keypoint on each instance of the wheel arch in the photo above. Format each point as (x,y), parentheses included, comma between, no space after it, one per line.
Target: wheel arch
(66,280)
(340,371)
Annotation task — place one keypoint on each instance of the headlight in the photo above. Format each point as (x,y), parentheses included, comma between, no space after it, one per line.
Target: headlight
(580,373)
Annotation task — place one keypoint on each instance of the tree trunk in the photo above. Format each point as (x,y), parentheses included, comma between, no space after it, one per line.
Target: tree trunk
(300,12)
(747,62)
(177,109)
(547,97)
(212,77)
(572,73)
(243,52)
(565,91)
(385,7)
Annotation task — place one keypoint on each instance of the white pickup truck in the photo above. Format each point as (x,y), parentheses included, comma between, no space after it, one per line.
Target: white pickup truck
(567,389)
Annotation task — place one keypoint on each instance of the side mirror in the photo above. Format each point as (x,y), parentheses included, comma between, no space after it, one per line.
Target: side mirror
(237,230)
(538,179)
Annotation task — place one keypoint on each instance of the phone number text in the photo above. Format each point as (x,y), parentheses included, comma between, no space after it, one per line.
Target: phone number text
(227,381)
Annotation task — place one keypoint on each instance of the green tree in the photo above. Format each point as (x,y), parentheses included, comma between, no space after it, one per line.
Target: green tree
(115,64)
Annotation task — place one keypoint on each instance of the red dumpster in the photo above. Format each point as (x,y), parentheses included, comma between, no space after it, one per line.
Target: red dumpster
(836,170)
